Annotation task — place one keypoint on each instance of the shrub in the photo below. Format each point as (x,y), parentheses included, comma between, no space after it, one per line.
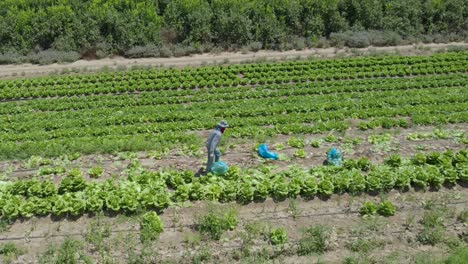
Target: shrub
(150,50)
(180,51)
(165,51)
(254,46)
(10,58)
(299,43)
(350,39)
(52,56)
(386,38)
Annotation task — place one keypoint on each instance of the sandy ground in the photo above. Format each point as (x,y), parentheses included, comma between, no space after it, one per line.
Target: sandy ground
(24,70)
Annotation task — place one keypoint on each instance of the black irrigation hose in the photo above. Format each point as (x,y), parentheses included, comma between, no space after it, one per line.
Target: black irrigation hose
(132,230)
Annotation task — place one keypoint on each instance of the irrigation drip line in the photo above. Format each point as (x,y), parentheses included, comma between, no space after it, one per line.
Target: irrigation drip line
(133,230)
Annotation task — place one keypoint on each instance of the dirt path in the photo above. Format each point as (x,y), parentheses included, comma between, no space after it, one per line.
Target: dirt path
(8,71)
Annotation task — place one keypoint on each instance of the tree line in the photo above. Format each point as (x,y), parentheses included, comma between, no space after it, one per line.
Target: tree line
(135,27)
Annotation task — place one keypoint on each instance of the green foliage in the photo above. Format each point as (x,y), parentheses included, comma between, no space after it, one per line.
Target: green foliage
(368,209)
(296,142)
(73,182)
(314,239)
(300,153)
(278,236)
(325,187)
(70,251)
(215,222)
(139,28)
(386,208)
(309,187)
(98,232)
(140,189)
(51,170)
(315,143)
(458,256)
(394,161)
(95,172)
(203,256)
(151,227)
(463,216)
(330,138)
(431,235)
(381,142)
(10,252)
(364,245)
(159,120)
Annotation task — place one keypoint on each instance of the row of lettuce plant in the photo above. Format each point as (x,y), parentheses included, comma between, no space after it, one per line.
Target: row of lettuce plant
(138,189)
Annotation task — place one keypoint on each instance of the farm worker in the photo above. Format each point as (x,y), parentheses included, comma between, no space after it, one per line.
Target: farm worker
(212,144)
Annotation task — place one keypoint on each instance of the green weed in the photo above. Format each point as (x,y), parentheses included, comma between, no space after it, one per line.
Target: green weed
(315,239)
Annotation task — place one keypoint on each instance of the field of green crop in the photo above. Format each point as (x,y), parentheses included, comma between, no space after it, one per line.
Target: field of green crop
(78,149)
(151,109)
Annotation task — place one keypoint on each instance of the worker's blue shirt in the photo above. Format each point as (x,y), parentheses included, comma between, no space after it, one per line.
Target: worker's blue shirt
(213,140)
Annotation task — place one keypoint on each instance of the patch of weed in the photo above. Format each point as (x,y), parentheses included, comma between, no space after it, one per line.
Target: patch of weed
(10,252)
(215,222)
(70,251)
(98,232)
(314,239)
(364,245)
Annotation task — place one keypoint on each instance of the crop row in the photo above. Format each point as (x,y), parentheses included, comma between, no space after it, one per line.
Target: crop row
(273,74)
(267,78)
(144,190)
(208,102)
(241,113)
(150,137)
(103,116)
(218,94)
(446,60)
(238,104)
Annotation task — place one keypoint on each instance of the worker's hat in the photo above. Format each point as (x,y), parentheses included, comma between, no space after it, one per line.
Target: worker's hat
(223,124)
